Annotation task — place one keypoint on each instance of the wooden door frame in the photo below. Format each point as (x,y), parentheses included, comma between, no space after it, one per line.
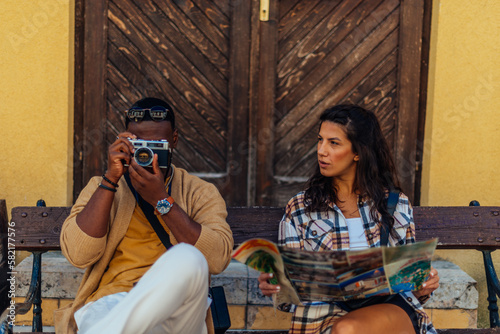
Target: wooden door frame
(268,62)
(422,105)
(412,25)
(90,107)
(239,104)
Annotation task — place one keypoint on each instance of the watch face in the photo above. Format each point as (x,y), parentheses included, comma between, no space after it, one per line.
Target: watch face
(163,206)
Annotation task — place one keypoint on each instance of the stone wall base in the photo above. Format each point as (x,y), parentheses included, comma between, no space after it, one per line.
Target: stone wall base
(454,304)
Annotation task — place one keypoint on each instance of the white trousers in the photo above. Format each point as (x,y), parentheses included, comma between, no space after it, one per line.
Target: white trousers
(172,297)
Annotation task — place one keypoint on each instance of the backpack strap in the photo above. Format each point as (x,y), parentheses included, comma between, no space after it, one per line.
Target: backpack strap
(392,202)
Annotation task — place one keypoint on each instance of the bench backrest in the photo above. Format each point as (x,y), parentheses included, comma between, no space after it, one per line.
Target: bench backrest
(38,228)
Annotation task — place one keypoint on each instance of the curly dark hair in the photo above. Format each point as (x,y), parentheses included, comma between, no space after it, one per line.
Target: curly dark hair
(375,172)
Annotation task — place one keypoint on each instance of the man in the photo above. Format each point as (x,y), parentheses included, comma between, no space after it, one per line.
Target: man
(133,284)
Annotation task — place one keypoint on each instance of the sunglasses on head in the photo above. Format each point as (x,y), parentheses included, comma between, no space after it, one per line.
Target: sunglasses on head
(157,113)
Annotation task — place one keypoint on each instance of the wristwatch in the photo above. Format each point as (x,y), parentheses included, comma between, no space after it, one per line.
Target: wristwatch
(164,205)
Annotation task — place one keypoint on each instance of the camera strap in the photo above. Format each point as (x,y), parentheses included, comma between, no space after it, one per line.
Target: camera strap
(148,210)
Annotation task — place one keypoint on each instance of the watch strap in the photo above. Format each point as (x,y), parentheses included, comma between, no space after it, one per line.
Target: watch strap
(170,199)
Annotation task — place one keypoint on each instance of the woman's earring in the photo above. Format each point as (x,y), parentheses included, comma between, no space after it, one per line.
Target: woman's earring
(356,158)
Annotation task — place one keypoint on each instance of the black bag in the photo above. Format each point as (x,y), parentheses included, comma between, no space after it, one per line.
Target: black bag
(351,305)
(220,312)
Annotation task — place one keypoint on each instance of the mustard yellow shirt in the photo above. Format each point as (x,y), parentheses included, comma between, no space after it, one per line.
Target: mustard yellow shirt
(135,254)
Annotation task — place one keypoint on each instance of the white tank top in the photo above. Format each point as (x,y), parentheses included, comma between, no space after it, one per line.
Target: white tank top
(357,238)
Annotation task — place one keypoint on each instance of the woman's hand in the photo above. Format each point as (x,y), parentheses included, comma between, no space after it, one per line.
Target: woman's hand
(265,287)
(431,284)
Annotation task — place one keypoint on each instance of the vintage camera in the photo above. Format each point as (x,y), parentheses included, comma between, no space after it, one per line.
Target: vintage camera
(145,151)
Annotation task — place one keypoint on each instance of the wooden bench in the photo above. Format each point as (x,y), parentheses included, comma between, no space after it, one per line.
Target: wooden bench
(37,230)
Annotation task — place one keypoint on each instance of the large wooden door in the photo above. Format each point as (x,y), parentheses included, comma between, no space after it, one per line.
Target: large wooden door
(188,52)
(247,91)
(324,53)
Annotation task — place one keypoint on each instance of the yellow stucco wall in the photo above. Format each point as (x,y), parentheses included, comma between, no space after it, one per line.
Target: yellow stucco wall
(36,108)
(462,133)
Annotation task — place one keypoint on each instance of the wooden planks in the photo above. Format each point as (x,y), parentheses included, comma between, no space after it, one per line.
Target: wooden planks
(265,112)
(94,106)
(247,94)
(254,222)
(79,88)
(179,51)
(349,55)
(455,227)
(38,228)
(176,50)
(236,188)
(459,227)
(410,46)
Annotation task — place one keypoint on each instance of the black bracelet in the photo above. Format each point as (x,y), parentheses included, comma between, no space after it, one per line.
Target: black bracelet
(106,187)
(109,181)
(423,299)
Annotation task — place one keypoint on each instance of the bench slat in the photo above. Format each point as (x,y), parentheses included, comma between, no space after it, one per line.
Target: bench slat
(254,222)
(456,227)
(38,228)
(469,227)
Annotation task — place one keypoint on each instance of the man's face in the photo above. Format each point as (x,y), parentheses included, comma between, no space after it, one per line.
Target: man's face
(151,130)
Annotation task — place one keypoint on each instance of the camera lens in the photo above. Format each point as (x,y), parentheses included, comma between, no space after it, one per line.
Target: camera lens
(144,156)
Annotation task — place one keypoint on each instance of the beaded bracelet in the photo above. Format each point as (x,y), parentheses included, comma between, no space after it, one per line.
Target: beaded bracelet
(106,187)
(109,181)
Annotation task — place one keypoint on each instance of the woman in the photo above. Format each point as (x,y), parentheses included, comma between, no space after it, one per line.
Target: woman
(343,207)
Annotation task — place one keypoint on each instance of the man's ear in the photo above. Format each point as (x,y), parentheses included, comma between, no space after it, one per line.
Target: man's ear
(175,137)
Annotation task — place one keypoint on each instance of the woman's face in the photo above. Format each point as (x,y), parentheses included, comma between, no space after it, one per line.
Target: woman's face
(335,155)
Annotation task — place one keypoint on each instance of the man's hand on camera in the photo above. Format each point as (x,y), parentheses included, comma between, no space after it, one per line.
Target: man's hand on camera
(151,186)
(119,152)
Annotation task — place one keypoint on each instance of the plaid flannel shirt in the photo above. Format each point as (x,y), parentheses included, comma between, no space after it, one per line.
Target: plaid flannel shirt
(318,231)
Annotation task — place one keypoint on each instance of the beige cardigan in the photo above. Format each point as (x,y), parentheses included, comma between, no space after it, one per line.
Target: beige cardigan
(199,199)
